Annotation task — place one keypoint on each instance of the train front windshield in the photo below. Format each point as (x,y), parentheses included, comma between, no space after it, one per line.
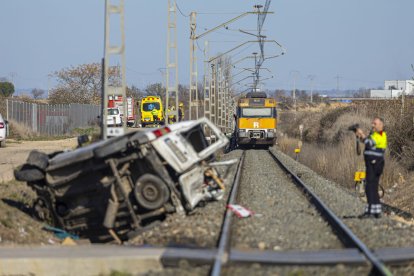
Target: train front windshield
(263,112)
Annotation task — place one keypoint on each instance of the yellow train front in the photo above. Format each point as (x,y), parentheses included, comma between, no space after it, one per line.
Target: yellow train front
(256,120)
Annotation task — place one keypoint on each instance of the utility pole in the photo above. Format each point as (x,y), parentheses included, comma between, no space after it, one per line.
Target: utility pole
(219,95)
(171,84)
(193,59)
(193,67)
(207,95)
(223,98)
(116,89)
(213,93)
(337,82)
(256,75)
(312,78)
(12,76)
(294,75)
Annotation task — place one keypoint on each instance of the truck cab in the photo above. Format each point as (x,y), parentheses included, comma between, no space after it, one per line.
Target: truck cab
(152,111)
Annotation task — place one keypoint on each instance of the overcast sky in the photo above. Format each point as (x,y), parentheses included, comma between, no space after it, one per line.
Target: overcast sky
(362,41)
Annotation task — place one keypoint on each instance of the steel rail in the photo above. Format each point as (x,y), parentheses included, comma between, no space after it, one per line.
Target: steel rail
(344,232)
(222,255)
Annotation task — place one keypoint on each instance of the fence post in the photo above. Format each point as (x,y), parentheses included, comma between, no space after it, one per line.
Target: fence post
(34,117)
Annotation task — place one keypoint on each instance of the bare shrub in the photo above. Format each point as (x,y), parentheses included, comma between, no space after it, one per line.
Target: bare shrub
(20,131)
(3,106)
(339,130)
(339,162)
(287,145)
(332,152)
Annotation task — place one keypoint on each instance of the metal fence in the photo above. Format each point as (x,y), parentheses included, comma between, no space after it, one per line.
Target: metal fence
(52,120)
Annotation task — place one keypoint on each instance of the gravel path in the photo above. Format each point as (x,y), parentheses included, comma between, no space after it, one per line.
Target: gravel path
(284,218)
(200,229)
(376,233)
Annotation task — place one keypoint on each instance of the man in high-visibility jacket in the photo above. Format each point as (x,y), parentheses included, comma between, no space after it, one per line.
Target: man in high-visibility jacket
(154,113)
(375,146)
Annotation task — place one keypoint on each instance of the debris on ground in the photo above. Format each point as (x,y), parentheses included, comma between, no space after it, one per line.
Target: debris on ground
(240,211)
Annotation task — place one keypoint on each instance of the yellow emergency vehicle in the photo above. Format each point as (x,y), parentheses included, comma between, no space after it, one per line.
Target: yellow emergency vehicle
(256,120)
(151,111)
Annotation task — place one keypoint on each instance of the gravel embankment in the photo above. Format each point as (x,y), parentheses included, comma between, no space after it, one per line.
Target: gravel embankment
(257,269)
(376,233)
(200,229)
(265,270)
(284,218)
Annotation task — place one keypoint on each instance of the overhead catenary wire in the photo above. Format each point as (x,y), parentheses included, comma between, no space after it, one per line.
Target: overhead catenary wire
(141,73)
(178,8)
(198,46)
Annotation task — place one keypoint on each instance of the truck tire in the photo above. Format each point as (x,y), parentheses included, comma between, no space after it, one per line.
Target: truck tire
(3,144)
(151,192)
(29,173)
(38,159)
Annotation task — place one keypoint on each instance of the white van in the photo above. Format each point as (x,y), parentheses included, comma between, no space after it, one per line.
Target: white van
(114,117)
(3,132)
(127,182)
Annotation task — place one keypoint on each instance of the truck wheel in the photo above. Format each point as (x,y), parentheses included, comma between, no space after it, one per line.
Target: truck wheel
(3,144)
(151,192)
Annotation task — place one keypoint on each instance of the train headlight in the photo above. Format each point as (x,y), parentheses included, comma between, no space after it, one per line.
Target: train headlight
(242,133)
(271,133)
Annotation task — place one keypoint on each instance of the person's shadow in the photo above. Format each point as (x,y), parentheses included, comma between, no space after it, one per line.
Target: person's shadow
(28,210)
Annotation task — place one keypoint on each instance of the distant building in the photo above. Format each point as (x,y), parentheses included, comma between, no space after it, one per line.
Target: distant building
(394,89)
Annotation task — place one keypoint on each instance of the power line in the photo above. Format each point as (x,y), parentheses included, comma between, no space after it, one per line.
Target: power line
(198,46)
(140,73)
(215,13)
(178,7)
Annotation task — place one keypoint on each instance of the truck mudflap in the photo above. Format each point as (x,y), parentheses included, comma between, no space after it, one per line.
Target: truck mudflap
(110,190)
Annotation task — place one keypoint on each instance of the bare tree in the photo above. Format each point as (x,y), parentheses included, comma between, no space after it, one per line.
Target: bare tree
(155,89)
(37,93)
(81,84)
(134,92)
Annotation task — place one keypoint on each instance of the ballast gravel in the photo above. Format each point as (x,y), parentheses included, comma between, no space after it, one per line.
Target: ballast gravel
(284,219)
(376,233)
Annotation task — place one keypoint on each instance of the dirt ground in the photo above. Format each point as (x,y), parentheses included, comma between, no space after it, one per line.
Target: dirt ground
(16,224)
(15,153)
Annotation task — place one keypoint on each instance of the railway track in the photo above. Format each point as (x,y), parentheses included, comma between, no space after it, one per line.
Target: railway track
(343,232)
(227,258)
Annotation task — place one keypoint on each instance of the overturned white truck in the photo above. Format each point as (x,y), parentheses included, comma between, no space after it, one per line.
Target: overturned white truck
(113,189)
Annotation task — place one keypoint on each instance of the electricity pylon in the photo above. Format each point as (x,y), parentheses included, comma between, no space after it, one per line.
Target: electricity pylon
(194,102)
(207,95)
(171,82)
(213,93)
(193,68)
(116,89)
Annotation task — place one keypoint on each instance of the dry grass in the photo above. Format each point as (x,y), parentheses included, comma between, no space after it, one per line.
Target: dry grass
(329,126)
(339,163)
(16,224)
(329,148)
(20,131)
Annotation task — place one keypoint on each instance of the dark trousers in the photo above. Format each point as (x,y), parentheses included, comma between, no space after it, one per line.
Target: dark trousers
(374,169)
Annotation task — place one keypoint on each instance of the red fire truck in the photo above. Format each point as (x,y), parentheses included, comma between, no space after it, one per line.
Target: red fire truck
(116,101)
